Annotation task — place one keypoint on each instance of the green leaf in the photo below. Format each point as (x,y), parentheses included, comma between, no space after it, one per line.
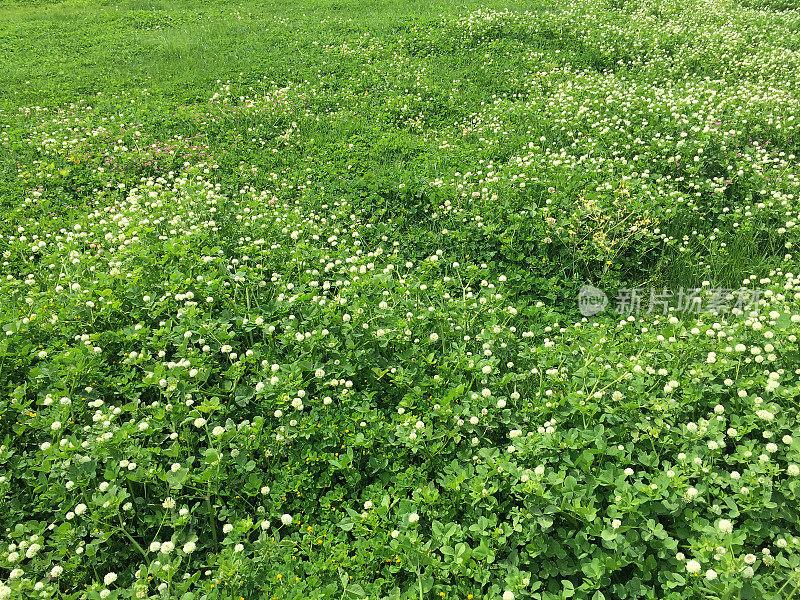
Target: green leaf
(176,479)
(426,579)
(355,591)
(346,525)
(438,530)
(608,535)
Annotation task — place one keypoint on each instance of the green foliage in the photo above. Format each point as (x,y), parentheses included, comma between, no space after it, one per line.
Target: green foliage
(289,309)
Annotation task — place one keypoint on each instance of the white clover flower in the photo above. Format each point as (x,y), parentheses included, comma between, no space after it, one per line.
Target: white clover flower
(110,578)
(227,528)
(628,472)
(539,471)
(199,422)
(486,369)
(748,572)
(226,349)
(13,557)
(218,431)
(155,546)
(616,524)
(711,574)
(168,503)
(286,519)
(725,526)
(80,509)
(765,415)
(691,493)
(692,567)
(264,525)
(413,518)
(486,392)
(395,533)
(189,547)
(750,559)
(508,595)
(368,504)
(501,403)
(56,571)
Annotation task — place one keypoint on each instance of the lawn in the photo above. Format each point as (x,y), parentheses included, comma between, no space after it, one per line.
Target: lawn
(412,300)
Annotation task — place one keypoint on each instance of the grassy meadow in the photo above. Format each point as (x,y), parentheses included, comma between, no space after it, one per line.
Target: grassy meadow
(411,300)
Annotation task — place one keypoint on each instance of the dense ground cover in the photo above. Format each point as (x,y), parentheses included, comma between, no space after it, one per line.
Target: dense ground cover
(290,300)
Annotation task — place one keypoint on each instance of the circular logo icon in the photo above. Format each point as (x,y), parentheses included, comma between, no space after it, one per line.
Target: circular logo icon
(591,300)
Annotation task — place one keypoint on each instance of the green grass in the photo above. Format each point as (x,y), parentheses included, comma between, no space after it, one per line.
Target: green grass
(71,50)
(289,300)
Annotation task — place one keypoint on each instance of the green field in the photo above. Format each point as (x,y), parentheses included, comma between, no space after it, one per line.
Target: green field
(410,300)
